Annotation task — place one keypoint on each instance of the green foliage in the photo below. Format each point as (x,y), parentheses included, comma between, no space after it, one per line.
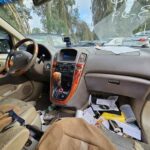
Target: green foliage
(36,30)
(144,2)
(143,27)
(59,16)
(17,16)
(83,32)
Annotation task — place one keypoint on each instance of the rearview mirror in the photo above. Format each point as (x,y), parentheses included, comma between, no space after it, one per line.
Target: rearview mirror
(39,2)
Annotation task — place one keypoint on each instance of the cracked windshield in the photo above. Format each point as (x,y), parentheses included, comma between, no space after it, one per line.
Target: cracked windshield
(87,22)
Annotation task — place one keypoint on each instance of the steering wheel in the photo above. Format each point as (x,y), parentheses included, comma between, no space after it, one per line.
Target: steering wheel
(19,62)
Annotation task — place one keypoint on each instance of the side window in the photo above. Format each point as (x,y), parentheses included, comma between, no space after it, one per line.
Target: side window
(4,42)
(4,46)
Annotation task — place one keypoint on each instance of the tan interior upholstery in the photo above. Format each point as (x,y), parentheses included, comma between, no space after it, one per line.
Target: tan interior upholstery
(23,109)
(6,107)
(15,137)
(5,120)
(74,134)
(146,121)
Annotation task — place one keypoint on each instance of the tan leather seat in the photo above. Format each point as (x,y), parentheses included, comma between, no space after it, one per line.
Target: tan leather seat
(74,134)
(24,110)
(14,138)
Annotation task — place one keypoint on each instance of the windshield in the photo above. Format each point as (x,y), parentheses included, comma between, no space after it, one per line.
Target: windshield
(123,20)
(108,22)
(47,39)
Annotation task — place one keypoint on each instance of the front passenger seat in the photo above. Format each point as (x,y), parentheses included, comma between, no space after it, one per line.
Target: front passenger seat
(15,136)
(24,110)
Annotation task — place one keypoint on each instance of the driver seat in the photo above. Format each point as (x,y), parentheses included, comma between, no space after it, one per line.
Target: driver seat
(15,136)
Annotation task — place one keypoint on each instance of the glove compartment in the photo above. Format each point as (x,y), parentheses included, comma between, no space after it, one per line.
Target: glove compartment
(133,87)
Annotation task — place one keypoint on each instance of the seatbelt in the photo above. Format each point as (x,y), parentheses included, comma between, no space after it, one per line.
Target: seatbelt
(34,131)
(15,117)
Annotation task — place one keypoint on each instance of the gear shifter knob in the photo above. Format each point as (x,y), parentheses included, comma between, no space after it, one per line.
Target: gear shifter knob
(57,78)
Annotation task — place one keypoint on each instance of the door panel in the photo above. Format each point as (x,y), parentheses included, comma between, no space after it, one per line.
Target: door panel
(5,47)
(2,61)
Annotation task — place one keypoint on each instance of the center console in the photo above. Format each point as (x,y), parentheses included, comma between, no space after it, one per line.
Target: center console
(67,70)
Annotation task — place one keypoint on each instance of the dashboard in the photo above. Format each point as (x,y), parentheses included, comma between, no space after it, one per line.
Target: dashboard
(41,72)
(77,73)
(68,55)
(42,51)
(74,73)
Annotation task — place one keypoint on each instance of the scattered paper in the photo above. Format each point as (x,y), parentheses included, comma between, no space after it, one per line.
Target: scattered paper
(88,115)
(95,107)
(79,114)
(130,130)
(89,118)
(109,104)
(117,50)
(101,101)
(90,111)
(106,104)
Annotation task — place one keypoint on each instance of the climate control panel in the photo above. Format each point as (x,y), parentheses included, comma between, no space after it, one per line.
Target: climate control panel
(65,67)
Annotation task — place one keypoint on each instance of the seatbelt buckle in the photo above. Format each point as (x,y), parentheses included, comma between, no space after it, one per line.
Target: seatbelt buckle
(15,117)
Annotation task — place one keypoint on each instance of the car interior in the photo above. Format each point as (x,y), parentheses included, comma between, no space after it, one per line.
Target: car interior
(37,83)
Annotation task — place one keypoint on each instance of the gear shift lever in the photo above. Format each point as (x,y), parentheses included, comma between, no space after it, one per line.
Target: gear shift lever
(57,78)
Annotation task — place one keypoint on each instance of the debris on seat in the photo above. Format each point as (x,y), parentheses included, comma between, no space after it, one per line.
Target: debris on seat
(111,116)
(100,112)
(54,113)
(120,120)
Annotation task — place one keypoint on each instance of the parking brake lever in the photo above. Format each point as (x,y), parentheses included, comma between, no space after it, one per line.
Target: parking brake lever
(42,58)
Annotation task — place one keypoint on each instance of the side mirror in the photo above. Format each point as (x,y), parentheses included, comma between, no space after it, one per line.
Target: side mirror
(39,2)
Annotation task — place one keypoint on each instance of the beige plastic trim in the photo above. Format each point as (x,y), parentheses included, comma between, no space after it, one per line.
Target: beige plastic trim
(17,90)
(145,119)
(133,87)
(10,29)
(14,138)
(81,96)
(135,66)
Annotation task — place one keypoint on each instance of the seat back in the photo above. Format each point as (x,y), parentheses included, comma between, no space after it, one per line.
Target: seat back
(12,138)
(74,133)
